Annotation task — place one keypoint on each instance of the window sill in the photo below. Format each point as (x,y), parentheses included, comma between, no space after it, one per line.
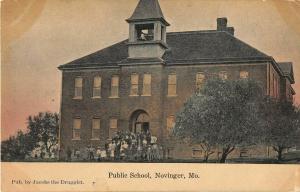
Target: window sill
(76,139)
(96,97)
(77,98)
(146,95)
(95,139)
(172,95)
(113,97)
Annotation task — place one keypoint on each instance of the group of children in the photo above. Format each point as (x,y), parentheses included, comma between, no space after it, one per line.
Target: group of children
(123,146)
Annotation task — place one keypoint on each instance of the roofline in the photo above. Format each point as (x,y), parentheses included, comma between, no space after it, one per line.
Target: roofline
(222,60)
(160,42)
(163,20)
(292,81)
(293,91)
(167,63)
(62,68)
(289,75)
(193,32)
(247,44)
(283,74)
(276,66)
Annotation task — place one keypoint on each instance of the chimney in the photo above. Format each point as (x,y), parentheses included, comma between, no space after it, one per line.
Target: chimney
(230,30)
(222,26)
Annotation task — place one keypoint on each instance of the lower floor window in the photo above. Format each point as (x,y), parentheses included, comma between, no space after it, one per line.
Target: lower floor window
(95,133)
(76,128)
(96,128)
(170,124)
(243,152)
(113,127)
(196,153)
(76,133)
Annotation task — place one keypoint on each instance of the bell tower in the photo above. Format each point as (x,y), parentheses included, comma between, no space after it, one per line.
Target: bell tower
(147,31)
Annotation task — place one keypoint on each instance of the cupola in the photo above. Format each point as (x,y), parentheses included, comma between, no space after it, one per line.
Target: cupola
(147,31)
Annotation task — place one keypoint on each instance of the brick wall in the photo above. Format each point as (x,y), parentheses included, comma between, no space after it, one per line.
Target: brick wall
(158,106)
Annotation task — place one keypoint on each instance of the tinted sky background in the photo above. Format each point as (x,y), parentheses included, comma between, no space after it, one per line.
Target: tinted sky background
(39,35)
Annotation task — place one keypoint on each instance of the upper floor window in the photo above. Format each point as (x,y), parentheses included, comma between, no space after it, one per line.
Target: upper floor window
(134,89)
(200,77)
(145,32)
(147,85)
(223,75)
(97,87)
(76,128)
(96,128)
(172,85)
(78,88)
(114,86)
(244,74)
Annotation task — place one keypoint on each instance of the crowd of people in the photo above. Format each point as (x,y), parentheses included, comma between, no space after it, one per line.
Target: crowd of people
(126,146)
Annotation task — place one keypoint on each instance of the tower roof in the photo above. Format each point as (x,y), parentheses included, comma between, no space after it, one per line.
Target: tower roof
(148,10)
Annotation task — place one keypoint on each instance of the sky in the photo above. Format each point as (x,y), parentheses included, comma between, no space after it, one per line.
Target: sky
(39,35)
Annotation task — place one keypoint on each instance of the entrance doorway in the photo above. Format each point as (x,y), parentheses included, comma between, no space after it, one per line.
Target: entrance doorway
(140,122)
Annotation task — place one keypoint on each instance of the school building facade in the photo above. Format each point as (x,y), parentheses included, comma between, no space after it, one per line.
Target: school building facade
(140,83)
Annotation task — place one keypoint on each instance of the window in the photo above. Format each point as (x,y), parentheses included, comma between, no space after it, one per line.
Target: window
(271,84)
(76,128)
(134,89)
(96,128)
(97,87)
(78,88)
(170,123)
(163,32)
(113,127)
(276,88)
(113,123)
(244,74)
(147,85)
(243,152)
(172,85)
(196,153)
(114,87)
(200,77)
(223,75)
(145,32)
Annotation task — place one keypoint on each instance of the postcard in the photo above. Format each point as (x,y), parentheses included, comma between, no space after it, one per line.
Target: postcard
(150,95)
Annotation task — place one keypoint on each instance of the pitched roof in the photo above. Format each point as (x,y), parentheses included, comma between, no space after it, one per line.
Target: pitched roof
(207,46)
(287,69)
(148,10)
(184,48)
(107,57)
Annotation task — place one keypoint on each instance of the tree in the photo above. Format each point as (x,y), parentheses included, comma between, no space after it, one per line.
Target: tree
(43,129)
(282,125)
(223,114)
(190,125)
(16,147)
